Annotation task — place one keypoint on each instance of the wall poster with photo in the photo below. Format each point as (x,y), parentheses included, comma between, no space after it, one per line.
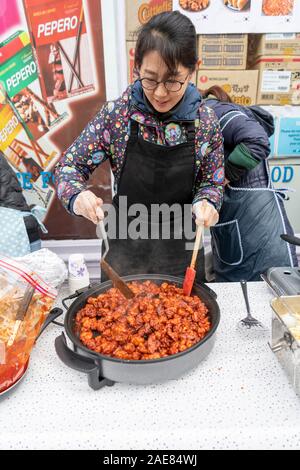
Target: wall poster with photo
(50,88)
(241,16)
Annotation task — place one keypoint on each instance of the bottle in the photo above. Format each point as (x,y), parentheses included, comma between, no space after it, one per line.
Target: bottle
(78,273)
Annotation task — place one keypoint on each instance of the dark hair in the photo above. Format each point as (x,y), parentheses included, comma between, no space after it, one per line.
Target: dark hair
(218,92)
(171,34)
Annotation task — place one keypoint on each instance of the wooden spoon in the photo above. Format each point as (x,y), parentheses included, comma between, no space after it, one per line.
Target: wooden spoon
(109,271)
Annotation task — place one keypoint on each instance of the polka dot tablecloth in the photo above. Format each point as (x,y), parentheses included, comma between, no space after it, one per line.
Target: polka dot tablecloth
(237,398)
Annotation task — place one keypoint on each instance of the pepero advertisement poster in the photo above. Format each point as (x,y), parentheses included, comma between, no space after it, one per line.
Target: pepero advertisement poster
(241,16)
(60,40)
(50,88)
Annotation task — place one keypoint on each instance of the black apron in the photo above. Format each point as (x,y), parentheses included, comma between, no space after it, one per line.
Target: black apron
(246,241)
(155,174)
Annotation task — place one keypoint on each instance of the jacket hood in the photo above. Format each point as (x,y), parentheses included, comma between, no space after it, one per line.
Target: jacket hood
(185,110)
(265,119)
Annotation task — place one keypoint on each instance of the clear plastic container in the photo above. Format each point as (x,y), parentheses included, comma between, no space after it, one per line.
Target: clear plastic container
(25,301)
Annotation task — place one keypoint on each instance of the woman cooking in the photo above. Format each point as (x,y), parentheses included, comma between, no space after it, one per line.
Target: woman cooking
(165,148)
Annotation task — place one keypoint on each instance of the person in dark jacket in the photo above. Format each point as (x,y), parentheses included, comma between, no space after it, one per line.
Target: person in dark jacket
(11,197)
(246,241)
(165,148)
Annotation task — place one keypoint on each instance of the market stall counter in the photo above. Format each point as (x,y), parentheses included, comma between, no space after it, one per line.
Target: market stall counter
(238,397)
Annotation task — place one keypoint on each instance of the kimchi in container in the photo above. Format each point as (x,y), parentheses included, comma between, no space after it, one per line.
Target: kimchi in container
(25,302)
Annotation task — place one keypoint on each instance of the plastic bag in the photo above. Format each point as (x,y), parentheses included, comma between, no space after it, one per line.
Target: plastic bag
(25,301)
(47,265)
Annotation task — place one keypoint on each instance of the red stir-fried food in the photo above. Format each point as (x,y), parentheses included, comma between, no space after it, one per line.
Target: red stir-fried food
(157,322)
(277,7)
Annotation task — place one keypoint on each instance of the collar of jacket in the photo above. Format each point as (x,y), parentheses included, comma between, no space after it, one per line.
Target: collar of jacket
(185,111)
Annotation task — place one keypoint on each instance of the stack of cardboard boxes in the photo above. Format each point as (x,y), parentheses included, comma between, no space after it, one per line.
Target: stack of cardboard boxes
(255,68)
(277,58)
(223,62)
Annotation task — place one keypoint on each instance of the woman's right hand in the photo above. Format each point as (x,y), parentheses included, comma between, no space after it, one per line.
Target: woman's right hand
(89,206)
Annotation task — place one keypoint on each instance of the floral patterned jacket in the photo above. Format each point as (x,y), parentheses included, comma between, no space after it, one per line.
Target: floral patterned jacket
(106,136)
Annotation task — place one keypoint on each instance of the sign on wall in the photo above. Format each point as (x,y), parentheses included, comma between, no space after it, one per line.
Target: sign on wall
(285,175)
(285,143)
(241,16)
(51,84)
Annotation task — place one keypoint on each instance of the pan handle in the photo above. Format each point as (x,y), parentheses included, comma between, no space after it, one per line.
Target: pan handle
(71,358)
(53,314)
(291,239)
(82,364)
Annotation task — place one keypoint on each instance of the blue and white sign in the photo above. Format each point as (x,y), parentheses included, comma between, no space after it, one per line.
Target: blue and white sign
(285,175)
(288,137)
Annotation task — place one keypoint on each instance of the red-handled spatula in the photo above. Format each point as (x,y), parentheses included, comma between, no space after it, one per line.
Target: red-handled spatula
(190,272)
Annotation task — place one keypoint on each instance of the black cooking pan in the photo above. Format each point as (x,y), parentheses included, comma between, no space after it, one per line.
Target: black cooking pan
(105,370)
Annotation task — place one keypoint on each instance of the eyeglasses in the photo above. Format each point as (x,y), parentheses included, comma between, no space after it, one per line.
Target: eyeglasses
(170,85)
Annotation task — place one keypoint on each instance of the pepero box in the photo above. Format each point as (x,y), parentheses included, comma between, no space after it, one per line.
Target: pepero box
(17,141)
(61,45)
(20,82)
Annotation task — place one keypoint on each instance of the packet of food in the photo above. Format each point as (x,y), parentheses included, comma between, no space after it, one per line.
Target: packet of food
(2,353)
(25,301)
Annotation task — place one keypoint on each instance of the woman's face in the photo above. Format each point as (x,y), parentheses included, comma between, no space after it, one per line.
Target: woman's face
(154,68)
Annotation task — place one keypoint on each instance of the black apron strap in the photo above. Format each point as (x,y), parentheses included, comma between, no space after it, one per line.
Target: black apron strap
(191,132)
(134,131)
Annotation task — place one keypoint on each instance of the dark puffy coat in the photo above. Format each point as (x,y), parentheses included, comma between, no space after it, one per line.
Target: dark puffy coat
(250,128)
(11,197)
(241,126)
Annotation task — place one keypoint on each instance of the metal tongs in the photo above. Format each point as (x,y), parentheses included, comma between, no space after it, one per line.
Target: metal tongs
(21,313)
(113,276)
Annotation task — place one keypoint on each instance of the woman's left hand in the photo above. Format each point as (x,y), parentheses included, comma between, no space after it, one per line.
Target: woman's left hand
(205,213)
